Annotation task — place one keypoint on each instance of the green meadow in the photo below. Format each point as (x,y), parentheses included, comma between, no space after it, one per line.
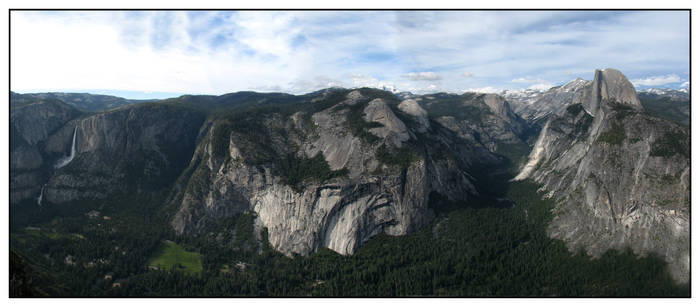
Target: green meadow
(173,256)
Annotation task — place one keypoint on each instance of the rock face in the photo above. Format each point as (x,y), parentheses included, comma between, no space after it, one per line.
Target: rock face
(536,106)
(486,119)
(30,125)
(392,128)
(144,145)
(609,84)
(621,177)
(410,106)
(372,195)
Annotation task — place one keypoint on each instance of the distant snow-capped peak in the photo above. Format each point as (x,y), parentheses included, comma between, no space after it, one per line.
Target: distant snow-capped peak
(664,91)
(574,85)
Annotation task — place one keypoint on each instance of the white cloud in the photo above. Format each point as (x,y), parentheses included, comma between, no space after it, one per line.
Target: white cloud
(541,86)
(486,89)
(528,80)
(89,51)
(656,80)
(423,76)
(317,83)
(286,51)
(267,88)
(685,84)
(360,80)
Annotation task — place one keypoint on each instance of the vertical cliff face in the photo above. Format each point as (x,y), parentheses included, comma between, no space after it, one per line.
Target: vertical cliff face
(31,124)
(621,177)
(609,84)
(379,171)
(92,157)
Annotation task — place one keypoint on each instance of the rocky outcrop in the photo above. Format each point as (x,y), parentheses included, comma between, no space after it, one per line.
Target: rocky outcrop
(608,85)
(621,177)
(501,108)
(393,129)
(411,107)
(340,148)
(373,195)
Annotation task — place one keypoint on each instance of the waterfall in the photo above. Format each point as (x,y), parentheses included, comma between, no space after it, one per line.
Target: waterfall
(41,195)
(65,160)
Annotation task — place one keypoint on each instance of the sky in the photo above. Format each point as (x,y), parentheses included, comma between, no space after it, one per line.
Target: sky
(159,54)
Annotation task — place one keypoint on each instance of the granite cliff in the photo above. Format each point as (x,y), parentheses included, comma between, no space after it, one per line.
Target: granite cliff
(620,176)
(368,167)
(30,126)
(65,155)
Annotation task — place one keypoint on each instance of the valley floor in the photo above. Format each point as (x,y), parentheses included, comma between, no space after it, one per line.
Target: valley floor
(479,249)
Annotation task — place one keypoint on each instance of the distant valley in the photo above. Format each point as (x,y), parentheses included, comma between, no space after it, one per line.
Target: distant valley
(348,192)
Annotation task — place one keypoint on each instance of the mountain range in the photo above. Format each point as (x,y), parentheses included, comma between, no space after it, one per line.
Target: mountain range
(332,169)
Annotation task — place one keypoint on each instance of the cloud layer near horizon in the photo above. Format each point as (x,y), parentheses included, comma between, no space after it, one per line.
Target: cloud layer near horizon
(302,51)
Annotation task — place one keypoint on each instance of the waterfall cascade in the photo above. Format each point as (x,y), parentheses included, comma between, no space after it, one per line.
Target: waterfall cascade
(41,195)
(65,160)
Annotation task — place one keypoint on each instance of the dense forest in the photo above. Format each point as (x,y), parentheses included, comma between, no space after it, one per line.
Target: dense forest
(478,248)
